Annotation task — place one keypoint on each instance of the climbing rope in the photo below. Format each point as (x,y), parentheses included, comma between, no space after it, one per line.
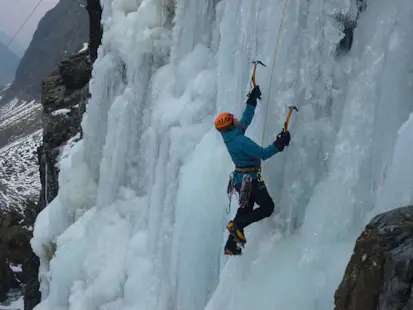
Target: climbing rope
(24,23)
(273,67)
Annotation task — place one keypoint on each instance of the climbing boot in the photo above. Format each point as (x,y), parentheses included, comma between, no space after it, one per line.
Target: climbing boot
(231,247)
(234,252)
(238,234)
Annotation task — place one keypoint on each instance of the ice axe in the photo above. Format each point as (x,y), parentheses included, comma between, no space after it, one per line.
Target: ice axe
(254,71)
(291,109)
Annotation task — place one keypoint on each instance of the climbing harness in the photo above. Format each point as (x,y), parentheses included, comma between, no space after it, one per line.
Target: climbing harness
(248,169)
(260,178)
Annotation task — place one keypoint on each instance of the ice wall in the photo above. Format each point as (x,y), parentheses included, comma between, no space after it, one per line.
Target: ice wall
(140,216)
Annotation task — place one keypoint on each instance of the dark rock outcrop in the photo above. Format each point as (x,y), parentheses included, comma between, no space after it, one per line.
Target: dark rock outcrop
(66,88)
(75,72)
(64,99)
(380,272)
(14,248)
(95,28)
(61,32)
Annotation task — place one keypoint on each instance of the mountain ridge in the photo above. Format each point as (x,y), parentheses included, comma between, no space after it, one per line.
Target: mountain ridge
(14,46)
(55,38)
(9,62)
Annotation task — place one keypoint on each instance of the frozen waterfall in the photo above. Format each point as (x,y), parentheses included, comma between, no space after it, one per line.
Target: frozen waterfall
(139,220)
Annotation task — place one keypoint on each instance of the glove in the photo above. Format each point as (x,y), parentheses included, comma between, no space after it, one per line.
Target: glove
(283,139)
(254,95)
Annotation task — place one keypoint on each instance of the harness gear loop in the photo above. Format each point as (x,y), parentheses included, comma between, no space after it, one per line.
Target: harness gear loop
(260,177)
(230,191)
(245,191)
(273,66)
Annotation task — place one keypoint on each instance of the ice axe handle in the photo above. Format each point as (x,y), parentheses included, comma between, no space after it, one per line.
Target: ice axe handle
(287,120)
(254,71)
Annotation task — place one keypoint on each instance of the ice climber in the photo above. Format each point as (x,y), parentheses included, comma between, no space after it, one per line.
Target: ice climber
(246,178)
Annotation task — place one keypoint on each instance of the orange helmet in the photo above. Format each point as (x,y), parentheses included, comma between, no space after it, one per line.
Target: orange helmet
(224,120)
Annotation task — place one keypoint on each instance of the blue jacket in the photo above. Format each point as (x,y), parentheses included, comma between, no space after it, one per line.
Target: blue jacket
(245,152)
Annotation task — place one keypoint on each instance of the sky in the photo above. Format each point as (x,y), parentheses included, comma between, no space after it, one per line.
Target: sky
(14,12)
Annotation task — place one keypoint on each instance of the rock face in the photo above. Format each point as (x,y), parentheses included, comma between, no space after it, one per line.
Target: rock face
(64,97)
(380,272)
(95,29)
(61,32)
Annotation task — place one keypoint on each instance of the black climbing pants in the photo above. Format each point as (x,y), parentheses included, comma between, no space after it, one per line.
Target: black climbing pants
(248,215)
(259,195)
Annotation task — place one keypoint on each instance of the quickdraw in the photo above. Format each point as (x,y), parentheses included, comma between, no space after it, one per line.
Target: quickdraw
(230,191)
(244,192)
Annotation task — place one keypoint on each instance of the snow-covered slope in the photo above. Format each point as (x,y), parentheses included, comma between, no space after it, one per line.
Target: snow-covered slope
(3,90)
(19,117)
(20,135)
(140,216)
(19,176)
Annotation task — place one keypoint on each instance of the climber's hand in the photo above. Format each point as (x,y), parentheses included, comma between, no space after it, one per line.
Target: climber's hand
(255,93)
(283,139)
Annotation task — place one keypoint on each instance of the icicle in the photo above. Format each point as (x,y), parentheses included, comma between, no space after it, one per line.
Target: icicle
(45,183)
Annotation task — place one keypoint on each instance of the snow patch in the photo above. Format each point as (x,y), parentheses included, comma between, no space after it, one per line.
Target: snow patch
(60,112)
(84,48)
(16,268)
(19,176)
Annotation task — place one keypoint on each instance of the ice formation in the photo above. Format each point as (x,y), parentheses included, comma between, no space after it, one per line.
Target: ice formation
(140,216)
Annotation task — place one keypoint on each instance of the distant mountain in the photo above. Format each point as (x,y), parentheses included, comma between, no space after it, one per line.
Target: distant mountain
(15,47)
(61,32)
(8,65)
